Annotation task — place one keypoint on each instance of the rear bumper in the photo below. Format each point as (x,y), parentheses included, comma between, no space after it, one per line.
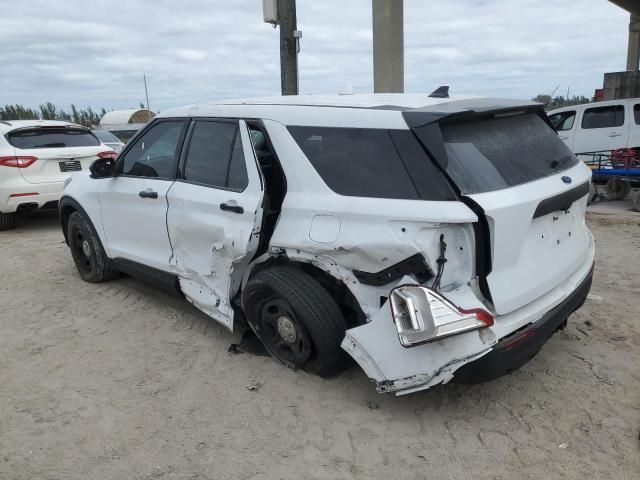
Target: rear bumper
(32,195)
(394,368)
(514,350)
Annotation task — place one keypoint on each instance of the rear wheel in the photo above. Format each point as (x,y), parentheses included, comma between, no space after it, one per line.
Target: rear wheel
(298,321)
(618,189)
(87,252)
(7,221)
(635,198)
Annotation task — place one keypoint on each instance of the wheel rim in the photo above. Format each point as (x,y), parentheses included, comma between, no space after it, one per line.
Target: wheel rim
(283,335)
(82,250)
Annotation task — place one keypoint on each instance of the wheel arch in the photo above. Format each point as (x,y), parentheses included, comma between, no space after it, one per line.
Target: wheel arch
(66,207)
(337,288)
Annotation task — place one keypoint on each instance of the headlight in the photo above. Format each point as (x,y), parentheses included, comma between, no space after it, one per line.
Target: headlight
(422,315)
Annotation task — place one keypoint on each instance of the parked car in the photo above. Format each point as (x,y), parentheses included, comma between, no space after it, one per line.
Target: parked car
(600,126)
(427,238)
(109,139)
(36,157)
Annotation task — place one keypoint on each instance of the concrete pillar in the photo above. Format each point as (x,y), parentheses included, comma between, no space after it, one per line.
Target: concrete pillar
(633,53)
(388,46)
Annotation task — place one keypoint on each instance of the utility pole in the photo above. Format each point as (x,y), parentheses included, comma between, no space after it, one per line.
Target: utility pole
(289,42)
(388,46)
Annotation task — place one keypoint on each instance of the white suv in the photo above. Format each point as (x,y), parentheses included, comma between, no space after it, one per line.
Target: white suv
(36,157)
(425,237)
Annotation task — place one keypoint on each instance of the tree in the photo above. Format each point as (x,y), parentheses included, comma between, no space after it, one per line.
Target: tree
(560,101)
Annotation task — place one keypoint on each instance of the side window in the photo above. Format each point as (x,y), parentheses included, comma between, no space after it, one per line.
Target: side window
(603,117)
(563,121)
(636,113)
(155,153)
(215,157)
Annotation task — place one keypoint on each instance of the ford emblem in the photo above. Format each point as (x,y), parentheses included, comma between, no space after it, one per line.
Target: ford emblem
(566,179)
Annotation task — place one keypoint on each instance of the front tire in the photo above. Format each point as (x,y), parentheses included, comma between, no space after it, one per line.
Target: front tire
(87,252)
(7,221)
(298,321)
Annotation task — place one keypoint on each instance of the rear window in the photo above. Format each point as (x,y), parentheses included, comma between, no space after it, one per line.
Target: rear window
(106,136)
(52,138)
(502,152)
(363,162)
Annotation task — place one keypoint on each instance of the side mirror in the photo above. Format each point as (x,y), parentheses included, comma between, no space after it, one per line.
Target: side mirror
(103,168)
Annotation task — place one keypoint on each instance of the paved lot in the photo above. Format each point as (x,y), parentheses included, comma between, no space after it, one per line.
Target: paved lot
(120,381)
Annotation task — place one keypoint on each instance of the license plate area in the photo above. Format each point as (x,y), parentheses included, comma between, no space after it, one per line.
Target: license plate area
(70,165)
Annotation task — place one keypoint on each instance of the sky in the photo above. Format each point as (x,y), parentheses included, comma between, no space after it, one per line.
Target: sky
(94,52)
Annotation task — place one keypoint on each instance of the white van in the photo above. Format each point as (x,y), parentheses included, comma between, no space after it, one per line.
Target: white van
(601,126)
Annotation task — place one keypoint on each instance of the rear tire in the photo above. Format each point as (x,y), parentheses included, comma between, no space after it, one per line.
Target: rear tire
(298,321)
(87,252)
(618,189)
(635,198)
(7,221)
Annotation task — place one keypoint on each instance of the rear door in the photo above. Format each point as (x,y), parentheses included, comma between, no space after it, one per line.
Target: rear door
(215,214)
(60,151)
(533,192)
(133,204)
(602,128)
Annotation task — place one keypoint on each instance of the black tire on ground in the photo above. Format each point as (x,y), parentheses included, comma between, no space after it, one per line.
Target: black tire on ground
(635,198)
(7,221)
(593,194)
(618,189)
(87,252)
(298,321)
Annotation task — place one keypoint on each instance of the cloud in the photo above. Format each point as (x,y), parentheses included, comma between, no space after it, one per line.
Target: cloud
(95,53)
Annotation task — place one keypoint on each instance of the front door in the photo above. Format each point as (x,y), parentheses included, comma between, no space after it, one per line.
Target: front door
(133,204)
(215,214)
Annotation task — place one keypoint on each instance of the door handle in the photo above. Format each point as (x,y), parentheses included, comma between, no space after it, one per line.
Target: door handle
(231,208)
(614,135)
(148,193)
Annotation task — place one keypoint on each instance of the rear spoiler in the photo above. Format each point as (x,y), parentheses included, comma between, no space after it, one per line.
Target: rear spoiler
(469,109)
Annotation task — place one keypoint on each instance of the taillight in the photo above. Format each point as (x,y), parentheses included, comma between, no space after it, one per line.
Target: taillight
(422,315)
(17,162)
(108,154)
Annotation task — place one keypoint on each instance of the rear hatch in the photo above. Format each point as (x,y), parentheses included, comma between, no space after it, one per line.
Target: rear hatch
(60,151)
(531,191)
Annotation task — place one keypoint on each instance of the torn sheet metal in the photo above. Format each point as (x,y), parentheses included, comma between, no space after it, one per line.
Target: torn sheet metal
(395,368)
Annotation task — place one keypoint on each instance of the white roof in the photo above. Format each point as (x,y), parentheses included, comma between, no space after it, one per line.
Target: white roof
(8,125)
(364,110)
(119,117)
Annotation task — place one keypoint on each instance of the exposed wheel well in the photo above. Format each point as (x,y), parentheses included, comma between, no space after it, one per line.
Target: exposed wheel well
(347,302)
(66,210)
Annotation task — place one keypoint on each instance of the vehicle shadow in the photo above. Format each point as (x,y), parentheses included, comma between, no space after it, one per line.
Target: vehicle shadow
(43,220)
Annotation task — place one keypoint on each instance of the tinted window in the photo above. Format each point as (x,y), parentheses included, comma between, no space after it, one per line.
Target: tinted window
(502,152)
(105,136)
(636,113)
(209,153)
(56,137)
(603,117)
(356,161)
(154,154)
(563,121)
(238,178)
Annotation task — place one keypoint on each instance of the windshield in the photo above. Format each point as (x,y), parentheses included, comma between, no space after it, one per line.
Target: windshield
(106,136)
(502,152)
(52,137)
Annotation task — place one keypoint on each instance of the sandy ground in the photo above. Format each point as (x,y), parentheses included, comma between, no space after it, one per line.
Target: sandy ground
(119,381)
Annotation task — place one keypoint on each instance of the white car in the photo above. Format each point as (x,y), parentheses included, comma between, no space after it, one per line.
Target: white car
(427,238)
(600,126)
(109,139)
(36,157)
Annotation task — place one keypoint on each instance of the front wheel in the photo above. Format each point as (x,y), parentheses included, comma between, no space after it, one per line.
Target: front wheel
(298,321)
(87,252)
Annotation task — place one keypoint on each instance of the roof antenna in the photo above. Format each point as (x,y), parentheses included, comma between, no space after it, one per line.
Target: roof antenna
(440,92)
